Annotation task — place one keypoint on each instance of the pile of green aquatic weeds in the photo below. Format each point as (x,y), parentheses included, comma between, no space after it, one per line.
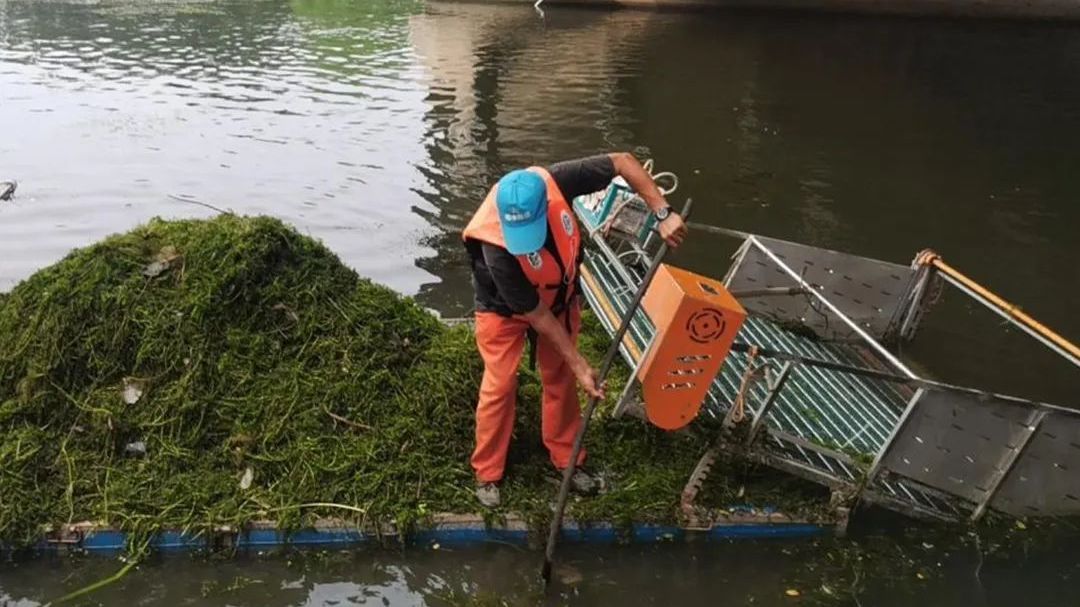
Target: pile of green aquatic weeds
(189,374)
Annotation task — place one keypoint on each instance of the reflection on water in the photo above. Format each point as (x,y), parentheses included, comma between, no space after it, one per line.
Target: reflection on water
(312,111)
(377,126)
(741,572)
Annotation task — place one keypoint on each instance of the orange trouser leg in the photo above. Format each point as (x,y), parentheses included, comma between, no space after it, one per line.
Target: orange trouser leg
(562,412)
(501,341)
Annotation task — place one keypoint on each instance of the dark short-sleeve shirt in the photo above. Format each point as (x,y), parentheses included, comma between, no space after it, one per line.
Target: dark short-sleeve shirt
(500,283)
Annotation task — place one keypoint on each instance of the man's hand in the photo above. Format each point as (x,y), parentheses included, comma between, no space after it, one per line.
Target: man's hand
(672,230)
(547,326)
(588,377)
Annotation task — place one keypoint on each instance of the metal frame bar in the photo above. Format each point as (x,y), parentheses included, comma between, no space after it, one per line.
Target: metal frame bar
(1034,422)
(875,467)
(770,400)
(737,259)
(916,510)
(825,392)
(800,469)
(832,307)
(623,403)
(799,441)
(867,407)
(1004,314)
(898,481)
(917,382)
(911,312)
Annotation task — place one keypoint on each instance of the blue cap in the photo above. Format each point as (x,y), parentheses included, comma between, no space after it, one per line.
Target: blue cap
(521,198)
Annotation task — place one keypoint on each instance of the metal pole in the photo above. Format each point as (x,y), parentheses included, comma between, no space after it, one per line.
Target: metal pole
(704,227)
(875,467)
(579,439)
(767,292)
(1034,421)
(847,321)
(1010,313)
(624,398)
(770,400)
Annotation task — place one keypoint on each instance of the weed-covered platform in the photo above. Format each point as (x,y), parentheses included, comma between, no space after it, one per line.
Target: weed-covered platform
(192,376)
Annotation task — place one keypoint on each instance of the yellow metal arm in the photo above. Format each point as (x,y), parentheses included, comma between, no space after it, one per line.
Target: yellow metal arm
(1004,307)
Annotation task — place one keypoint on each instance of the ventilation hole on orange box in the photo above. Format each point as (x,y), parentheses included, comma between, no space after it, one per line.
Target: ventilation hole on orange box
(693,358)
(680,386)
(697,371)
(708,288)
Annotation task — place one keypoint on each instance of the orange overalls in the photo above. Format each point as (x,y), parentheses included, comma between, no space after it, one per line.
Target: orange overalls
(501,341)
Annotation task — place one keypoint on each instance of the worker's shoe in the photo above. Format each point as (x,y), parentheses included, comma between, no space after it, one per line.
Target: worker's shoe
(488,494)
(582,482)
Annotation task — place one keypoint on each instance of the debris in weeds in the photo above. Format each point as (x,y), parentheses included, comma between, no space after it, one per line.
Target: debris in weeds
(133,391)
(247,478)
(136,448)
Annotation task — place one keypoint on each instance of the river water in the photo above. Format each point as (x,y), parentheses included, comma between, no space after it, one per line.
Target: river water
(378,126)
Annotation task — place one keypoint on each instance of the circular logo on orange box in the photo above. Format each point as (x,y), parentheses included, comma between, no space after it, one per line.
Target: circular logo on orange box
(706,325)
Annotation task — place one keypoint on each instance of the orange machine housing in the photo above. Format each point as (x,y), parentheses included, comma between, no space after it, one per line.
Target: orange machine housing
(696,321)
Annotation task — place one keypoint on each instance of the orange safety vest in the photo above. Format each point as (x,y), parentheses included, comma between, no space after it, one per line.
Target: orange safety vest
(552,277)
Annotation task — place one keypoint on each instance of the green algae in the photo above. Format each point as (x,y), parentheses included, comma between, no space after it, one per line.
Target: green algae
(192,374)
(243,348)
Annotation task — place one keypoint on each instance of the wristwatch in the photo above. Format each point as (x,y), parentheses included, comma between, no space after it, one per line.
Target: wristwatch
(662,213)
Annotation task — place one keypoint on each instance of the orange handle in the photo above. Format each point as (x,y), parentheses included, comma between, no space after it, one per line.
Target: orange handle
(931,258)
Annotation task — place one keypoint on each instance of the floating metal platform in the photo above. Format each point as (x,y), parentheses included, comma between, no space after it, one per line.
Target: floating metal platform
(825,399)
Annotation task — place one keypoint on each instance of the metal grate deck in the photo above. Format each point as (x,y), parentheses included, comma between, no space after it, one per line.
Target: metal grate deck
(826,423)
(828,402)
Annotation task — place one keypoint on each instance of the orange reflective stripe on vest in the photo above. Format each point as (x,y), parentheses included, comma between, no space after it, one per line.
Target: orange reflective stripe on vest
(543,270)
